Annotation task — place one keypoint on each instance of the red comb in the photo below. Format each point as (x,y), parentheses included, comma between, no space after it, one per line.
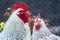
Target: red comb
(20,5)
(37,19)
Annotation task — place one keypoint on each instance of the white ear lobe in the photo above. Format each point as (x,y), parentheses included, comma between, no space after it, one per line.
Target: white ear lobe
(16,11)
(19,9)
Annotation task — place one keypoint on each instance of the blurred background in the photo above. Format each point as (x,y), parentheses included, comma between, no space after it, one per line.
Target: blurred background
(48,10)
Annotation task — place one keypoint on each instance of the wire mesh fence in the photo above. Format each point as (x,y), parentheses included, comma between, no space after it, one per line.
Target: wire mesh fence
(49,9)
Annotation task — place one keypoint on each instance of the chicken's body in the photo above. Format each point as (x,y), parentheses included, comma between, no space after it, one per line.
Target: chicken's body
(15,29)
(43,33)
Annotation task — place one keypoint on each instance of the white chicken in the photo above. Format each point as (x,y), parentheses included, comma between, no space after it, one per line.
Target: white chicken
(41,32)
(15,28)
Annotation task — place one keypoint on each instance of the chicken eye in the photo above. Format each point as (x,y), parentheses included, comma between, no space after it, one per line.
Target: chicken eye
(39,20)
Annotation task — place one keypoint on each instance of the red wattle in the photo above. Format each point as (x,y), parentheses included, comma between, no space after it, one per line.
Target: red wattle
(38,26)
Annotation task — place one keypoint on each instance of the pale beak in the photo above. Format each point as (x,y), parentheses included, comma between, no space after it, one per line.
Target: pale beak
(28,12)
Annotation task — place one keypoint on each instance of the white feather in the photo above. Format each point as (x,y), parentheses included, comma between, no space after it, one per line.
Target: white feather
(43,33)
(14,28)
